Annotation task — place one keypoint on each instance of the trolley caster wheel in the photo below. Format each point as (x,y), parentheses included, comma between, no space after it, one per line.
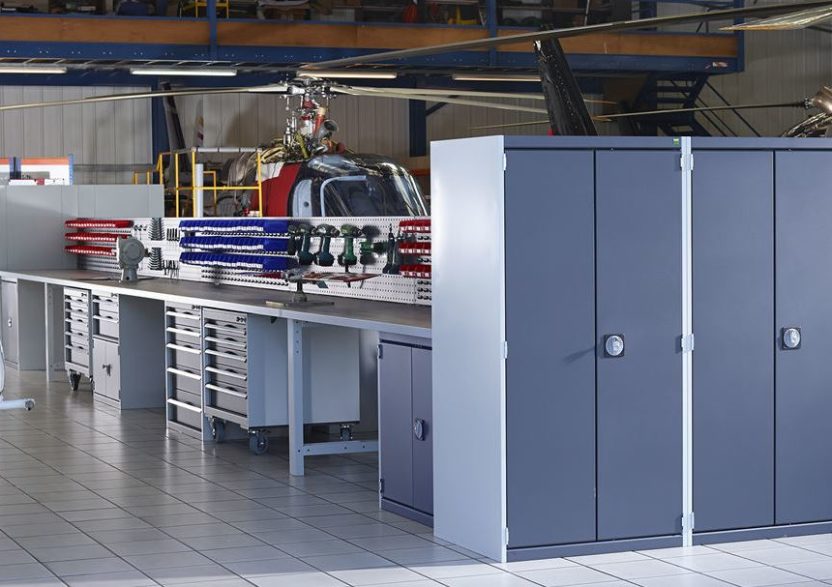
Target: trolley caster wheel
(218,431)
(258,443)
(74,381)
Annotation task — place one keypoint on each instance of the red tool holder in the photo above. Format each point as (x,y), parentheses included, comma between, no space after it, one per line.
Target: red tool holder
(90,250)
(417,248)
(96,223)
(418,271)
(417,225)
(94,237)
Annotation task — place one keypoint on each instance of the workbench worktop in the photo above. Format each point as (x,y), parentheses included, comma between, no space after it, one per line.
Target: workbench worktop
(351,313)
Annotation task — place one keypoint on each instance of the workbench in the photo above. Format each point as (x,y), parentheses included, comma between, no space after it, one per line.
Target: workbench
(381,317)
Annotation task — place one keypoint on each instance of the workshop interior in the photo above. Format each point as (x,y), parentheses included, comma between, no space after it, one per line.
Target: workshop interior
(461,293)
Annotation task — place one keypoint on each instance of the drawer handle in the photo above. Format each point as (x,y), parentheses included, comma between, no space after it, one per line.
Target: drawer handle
(224,390)
(225,341)
(234,357)
(228,373)
(194,334)
(237,330)
(106,319)
(184,349)
(182,373)
(181,315)
(183,405)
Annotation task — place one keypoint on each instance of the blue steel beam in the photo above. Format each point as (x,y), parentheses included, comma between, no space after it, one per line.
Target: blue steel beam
(287,56)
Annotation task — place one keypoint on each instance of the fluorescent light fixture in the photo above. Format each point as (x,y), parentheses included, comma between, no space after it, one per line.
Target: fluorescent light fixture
(494,77)
(22,68)
(192,71)
(347,74)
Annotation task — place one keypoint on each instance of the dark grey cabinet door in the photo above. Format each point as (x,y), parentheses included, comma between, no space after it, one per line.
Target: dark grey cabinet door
(422,448)
(395,424)
(804,375)
(550,378)
(733,313)
(638,231)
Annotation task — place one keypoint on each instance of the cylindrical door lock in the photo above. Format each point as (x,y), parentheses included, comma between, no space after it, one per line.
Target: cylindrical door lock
(792,338)
(419,429)
(614,345)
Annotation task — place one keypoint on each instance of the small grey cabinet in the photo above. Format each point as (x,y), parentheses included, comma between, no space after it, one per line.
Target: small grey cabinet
(128,351)
(405,427)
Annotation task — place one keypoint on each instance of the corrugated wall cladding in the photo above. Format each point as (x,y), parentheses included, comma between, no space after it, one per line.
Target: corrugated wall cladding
(106,139)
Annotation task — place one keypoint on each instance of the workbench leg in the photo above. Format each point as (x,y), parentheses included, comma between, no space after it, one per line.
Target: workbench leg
(49,323)
(296,408)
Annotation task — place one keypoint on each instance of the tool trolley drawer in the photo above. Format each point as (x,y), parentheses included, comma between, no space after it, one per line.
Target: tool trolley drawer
(225,317)
(223,376)
(76,325)
(184,316)
(226,358)
(105,325)
(185,413)
(77,355)
(195,399)
(227,398)
(185,379)
(180,335)
(76,295)
(186,356)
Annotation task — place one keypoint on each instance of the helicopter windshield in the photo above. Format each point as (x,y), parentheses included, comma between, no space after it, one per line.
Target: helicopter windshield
(363,185)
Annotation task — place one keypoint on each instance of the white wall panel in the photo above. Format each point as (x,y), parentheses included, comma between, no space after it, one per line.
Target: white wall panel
(103,135)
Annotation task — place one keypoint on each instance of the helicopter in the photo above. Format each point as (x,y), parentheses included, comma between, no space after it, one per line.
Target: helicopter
(315,175)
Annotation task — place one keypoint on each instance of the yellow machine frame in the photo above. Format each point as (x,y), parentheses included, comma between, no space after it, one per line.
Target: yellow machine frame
(177,188)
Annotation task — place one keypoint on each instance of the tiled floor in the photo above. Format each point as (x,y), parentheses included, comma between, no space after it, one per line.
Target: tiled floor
(89,497)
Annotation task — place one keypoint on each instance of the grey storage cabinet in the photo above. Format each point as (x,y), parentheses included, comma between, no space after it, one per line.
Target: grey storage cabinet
(406,427)
(640,348)
(23,313)
(77,335)
(128,351)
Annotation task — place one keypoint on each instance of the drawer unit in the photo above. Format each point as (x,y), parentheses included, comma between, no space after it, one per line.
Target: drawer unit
(133,364)
(241,354)
(105,315)
(77,335)
(183,367)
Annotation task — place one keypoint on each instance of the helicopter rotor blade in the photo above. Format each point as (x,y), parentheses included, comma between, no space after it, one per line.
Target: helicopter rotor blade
(788,22)
(471,94)
(488,42)
(647,113)
(144,95)
(437,99)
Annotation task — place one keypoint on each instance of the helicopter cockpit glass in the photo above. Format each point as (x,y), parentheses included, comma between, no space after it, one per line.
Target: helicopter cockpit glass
(363,185)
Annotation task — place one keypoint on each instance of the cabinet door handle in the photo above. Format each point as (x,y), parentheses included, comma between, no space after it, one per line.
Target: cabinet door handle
(419,427)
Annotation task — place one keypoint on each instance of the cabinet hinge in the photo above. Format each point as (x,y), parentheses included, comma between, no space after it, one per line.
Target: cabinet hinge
(688,343)
(688,522)
(686,162)
(505,536)
(505,349)
(380,350)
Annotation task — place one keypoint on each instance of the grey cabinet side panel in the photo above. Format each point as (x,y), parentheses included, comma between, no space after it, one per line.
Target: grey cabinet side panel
(639,216)
(733,312)
(550,316)
(423,449)
(803,393)
(10,319)
(395,425)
